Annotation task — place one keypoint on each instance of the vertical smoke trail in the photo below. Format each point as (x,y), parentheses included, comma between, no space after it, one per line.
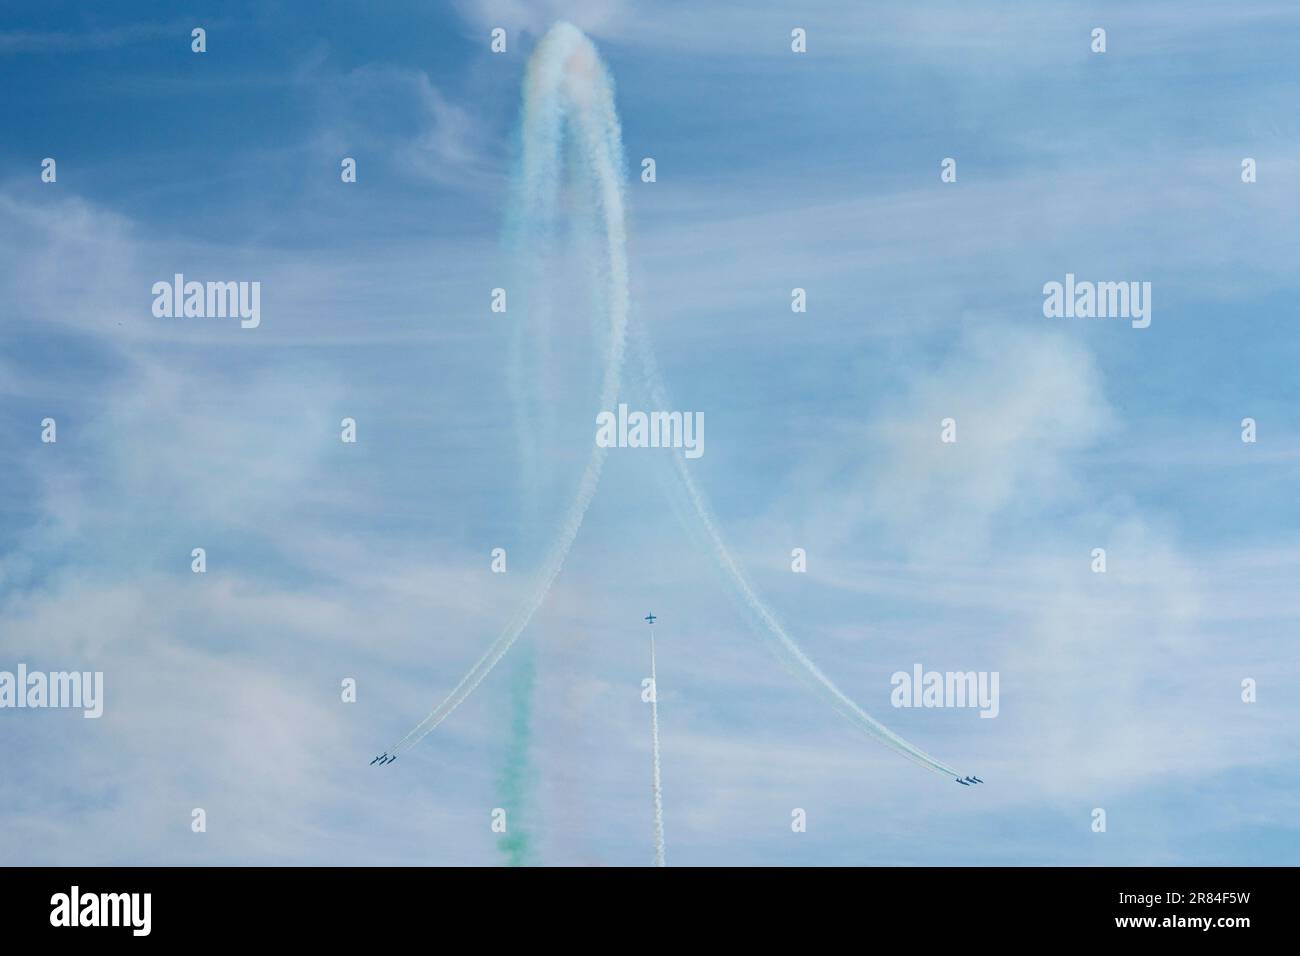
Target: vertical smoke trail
(516,843)
(566,88)
(656,785)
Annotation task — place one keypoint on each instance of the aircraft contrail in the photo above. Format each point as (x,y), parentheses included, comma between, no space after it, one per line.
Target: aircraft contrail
(566,86)
(789,652)
(657,786)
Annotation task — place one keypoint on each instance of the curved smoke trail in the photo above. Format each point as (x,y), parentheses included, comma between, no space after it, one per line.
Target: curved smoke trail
(788,651)
(566,86)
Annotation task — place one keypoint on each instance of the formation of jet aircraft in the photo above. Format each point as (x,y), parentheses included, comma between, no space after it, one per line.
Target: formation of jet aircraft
(387,758)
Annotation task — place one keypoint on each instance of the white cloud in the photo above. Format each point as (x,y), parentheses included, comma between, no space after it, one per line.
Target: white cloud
(65,41)
(376,111)
(1023,402)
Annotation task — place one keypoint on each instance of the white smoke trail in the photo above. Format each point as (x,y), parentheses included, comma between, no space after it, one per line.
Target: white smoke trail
(793,656)
(566,86)
(657,786)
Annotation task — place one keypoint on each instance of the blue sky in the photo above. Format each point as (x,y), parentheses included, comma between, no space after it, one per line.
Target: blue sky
(775,170)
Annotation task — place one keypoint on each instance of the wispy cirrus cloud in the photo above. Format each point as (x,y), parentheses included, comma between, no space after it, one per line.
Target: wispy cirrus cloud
(108,38)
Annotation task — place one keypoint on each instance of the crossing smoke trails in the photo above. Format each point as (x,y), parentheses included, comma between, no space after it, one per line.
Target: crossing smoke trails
(654,743)
(567,85)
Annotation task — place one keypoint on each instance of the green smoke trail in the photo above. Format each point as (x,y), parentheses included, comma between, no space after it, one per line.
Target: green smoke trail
(514,785)
(567,93)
